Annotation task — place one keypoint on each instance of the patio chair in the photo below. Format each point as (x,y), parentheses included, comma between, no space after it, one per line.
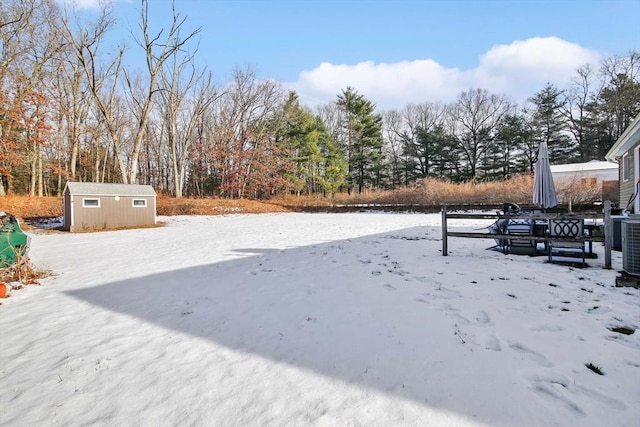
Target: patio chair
(520,226)
(565,228)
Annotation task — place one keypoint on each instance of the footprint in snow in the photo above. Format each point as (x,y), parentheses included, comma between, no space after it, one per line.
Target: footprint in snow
(562,388)
(531,354)
(491,342)
(596,395)
(483,317)
(622,339)
(557,391)
(548,327)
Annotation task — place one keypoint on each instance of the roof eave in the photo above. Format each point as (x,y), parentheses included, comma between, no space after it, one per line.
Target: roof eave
(625,141)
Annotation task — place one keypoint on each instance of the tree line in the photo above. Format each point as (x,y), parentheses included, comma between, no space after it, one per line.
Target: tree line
(73,109)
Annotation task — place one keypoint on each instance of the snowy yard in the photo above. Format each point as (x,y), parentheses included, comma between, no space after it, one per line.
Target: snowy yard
(314,320)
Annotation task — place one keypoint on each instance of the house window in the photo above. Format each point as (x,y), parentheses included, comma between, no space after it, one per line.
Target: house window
(90,203)
(589,182)
(626,166)
(139,203)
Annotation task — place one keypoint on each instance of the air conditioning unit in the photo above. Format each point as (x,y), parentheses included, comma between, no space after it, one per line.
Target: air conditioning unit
(631,246)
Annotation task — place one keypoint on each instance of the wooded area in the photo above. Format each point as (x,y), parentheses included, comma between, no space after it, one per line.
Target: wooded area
(73,108)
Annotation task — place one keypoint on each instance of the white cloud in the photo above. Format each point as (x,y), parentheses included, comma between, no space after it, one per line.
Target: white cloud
(535,60)
(517,70)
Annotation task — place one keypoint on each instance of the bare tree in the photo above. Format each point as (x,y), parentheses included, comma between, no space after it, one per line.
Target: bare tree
(620,96)
(477,114)
(393,135)
(73,94)
(242,144)
(575,111)
(157,52)
(102,78)
(14,22)
(332,118)
(421,121)
(186,96)
(30,45)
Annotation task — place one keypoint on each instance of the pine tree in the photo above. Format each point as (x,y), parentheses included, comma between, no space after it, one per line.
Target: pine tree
(319,165)
(362,140)
(517,147)
(549,126)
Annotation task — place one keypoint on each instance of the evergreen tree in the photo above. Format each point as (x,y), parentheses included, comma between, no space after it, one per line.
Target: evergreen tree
(362,130)
(440,153)
(517,149)
(619,103)
(318,164)
(549,126)
(334,167)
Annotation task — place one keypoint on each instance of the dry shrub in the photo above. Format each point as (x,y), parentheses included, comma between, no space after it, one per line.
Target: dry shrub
(302,201)
(22,273)
(170,206)
(31,207)
(436,192)
(576,191)
(400,196)
(518,190)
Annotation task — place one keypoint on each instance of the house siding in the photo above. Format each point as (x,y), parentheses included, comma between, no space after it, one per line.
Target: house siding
(628,187)
(112,213)
(626,147)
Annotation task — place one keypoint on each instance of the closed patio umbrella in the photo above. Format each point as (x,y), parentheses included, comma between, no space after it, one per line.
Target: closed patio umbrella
(544,190)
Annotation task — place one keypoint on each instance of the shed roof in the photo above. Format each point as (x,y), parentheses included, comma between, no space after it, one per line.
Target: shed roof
(584,167)
(100,189)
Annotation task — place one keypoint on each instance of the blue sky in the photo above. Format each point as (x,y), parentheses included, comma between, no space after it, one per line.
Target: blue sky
(397,52)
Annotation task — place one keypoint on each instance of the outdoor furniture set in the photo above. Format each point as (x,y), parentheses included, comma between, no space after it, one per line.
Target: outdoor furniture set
(557,235)
(555,229)
(517,230)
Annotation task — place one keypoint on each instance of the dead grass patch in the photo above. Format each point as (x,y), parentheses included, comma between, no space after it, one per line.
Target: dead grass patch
(169,206)
(31,207)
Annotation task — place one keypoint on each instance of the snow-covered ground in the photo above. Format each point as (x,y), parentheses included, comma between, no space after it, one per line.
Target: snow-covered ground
(314,320)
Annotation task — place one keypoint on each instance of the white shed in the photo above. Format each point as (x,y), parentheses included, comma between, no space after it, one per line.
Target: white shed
(597,177)
(591,173)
